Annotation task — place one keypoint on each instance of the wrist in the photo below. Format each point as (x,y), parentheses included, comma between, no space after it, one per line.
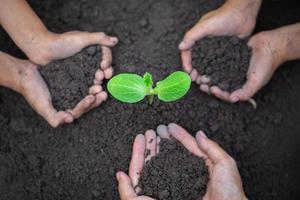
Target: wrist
(249,6)
(40,51)
(247,11)
(10,70)
(291,38)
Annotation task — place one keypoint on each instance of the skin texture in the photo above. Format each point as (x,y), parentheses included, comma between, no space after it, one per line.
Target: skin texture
(41,47)
(270,48)
(225,182)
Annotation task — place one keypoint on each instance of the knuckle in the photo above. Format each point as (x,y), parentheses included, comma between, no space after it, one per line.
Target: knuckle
(102,36)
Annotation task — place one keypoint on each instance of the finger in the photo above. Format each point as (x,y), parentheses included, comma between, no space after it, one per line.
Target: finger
(95,89)
(194,74)
(59,118)
(158,139)
(150,136)
(99,76)
(106,58)
(204,79)
(102,39)
(108,72)
(125,186)
(185,138)
(162,131)
(100,98)
(137,159)
(205,88)
(211,149)
(196,33)
(52,116)
(220,94)
(82,107)
(186,58)
(247,91)
(75,41)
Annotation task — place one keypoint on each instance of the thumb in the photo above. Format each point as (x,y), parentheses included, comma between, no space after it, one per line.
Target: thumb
(212,150)
(251,86)
(125,186)
(102,39)
(196,33)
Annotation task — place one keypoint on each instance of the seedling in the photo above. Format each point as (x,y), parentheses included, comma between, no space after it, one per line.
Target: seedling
(132,88)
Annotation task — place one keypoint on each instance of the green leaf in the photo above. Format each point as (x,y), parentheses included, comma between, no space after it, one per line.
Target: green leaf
(148,81)
(128,88)
(173,87)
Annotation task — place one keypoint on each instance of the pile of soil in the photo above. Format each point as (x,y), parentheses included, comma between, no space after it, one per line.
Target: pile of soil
(79,160)
(165,177)
(225,60)
(69,79)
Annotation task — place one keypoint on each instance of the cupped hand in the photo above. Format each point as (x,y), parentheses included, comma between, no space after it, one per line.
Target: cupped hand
(268,52)
(33,87)
(234,18)
(225,182)
(62,46)
(67,44)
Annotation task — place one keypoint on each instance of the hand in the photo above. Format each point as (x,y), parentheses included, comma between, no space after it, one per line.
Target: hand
(41,47)
(269,51)
(224,178)
(24,77)
(234,18)
(128,184)
(36,92)
(222,168)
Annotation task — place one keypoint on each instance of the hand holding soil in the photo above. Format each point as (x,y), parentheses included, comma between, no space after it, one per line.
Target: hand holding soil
(41,47)
(234,18)
(269,50)
(224,182)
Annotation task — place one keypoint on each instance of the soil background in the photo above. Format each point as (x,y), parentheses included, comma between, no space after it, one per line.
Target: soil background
(79,161)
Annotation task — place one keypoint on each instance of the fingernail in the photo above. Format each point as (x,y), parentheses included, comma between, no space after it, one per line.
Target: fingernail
(234,99)
(118,175)
(69,119)
(201,135)
(181,45)
(114,40)
(172,128)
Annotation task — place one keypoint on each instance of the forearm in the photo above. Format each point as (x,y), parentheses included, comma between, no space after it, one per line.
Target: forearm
(9,71)
(21,23)
(291,36)
(249,6)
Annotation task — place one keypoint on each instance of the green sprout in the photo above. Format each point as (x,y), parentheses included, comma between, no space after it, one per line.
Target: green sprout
(132,88)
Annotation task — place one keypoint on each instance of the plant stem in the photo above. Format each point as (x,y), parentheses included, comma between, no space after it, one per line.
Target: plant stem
(151,97)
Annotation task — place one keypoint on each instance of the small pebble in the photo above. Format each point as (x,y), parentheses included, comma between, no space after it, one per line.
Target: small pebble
(143,22)
(95,193)
(57,174)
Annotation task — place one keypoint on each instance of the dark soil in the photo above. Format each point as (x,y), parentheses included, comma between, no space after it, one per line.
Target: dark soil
(79,161)
(69,79)
(165,177)
(226,68)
